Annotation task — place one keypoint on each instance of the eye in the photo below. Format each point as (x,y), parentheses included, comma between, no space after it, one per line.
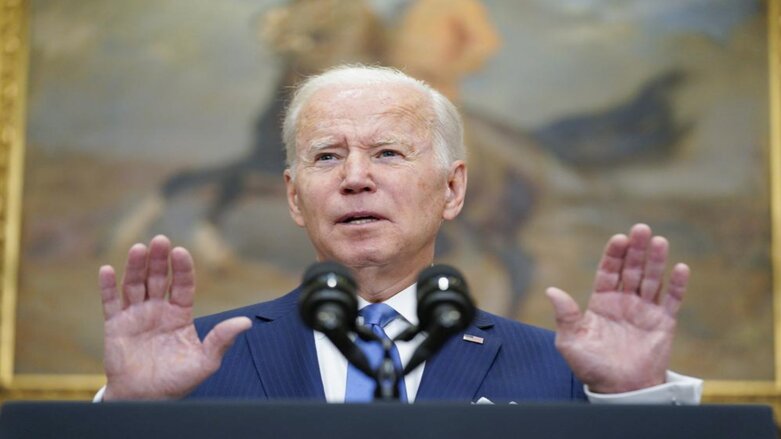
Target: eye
(326,156)
(386,153)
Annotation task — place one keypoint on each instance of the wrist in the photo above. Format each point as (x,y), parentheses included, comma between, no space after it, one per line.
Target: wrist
(109,394)
(676,390)
(614,386)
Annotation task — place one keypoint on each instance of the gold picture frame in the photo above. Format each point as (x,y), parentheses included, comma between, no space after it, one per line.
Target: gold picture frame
(14,52)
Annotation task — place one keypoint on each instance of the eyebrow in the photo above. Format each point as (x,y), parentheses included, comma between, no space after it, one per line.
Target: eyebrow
(322,143)
(384,142)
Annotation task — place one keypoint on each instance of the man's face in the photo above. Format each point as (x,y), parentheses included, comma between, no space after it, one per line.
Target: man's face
(368,187)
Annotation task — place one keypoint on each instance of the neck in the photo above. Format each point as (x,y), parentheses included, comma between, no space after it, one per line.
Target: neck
(380,283)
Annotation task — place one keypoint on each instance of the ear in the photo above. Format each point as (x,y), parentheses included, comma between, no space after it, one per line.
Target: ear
(292,199)
(456,190)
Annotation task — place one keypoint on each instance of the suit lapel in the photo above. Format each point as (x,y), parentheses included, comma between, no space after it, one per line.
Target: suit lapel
(283,350)
(459,368)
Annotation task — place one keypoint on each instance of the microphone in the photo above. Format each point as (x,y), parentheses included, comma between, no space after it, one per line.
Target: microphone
(328,300)
(444,309)
(328,303)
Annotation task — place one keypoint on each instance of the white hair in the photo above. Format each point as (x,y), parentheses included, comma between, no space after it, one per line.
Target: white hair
(448,131)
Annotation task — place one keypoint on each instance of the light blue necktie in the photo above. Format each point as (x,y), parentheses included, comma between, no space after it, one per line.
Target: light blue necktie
(360,388)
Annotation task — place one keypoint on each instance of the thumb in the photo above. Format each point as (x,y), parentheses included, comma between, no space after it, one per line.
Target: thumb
(565,308)
(222,336)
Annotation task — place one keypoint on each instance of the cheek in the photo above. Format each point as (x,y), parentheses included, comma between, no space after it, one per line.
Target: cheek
(310,200)
(431,198)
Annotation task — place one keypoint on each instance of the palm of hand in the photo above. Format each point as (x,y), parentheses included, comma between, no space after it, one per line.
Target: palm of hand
(618,335)
(159,330)
(623,340)
(151,348)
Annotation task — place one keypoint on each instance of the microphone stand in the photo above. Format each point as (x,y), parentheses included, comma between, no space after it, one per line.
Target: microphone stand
(387,377)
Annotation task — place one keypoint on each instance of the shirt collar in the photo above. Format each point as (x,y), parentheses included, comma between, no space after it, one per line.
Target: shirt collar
(405,302)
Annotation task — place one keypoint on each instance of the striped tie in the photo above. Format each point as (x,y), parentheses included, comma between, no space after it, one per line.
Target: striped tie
(360,388)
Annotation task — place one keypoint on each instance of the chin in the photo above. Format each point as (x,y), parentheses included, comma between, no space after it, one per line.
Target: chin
(364,257)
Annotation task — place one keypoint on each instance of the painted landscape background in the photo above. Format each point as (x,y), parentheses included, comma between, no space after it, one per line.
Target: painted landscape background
(582,118)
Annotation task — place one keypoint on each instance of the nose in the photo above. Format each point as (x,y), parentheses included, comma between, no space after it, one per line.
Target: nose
(357,175)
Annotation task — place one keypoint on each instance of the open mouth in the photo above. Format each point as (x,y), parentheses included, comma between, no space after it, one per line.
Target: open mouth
(357,219)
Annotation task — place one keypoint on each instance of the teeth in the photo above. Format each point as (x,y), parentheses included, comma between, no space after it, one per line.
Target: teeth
(362,220)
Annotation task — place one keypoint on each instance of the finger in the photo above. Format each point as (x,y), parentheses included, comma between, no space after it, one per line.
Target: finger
(107,281)
(222,336)
(632,274)
(182,277)
(676,289)
(609,269)
(157,280)
(134,281)
(654,269)
(565,309)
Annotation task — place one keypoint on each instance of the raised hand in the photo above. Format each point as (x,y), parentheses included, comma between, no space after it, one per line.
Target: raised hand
(151,348)
(623,340)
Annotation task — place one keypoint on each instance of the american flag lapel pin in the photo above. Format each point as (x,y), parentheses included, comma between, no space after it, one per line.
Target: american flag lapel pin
(473,338)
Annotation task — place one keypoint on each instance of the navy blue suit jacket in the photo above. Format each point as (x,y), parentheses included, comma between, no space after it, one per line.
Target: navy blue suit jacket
(276,359)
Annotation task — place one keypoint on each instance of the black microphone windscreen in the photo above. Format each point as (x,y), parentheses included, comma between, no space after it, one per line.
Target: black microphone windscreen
(444,308)
(440,287)
(320,268)
(329,303)
(430,280)
(438,270)
(328,298)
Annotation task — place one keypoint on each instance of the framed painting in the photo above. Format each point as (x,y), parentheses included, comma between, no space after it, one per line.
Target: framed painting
(119,121)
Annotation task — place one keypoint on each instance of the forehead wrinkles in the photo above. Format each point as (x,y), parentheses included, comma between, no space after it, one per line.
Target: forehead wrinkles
(367,104)
(405,107)
(408,123)
(416,112)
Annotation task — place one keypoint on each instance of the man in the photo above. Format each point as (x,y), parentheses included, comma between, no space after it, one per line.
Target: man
(375,165)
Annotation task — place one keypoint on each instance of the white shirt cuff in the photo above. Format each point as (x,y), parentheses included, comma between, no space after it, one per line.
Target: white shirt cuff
(677,390)
(99,396)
